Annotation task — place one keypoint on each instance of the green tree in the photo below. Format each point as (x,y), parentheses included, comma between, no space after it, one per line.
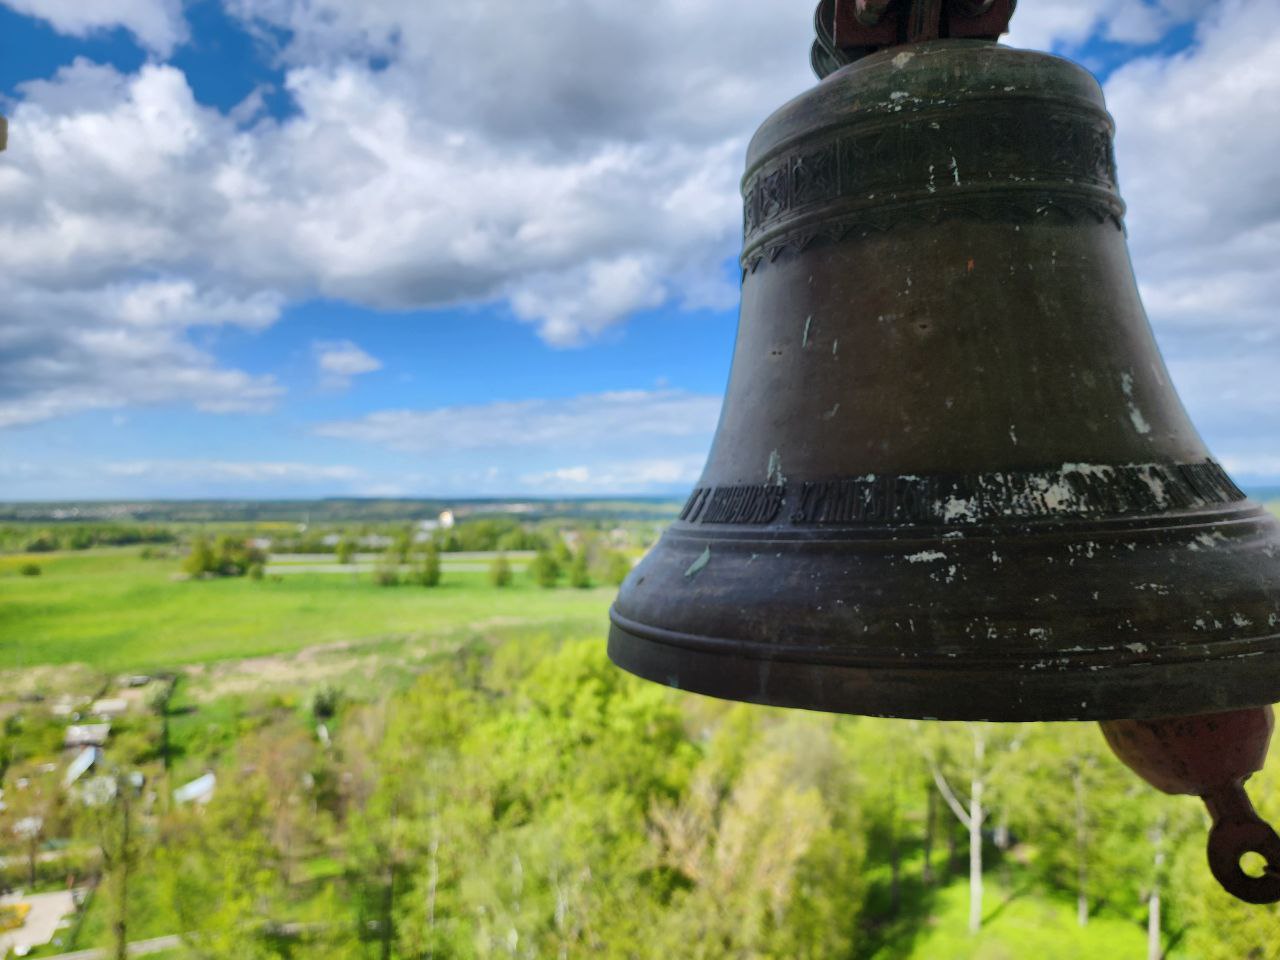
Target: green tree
(31,812)
(1086,814)
(427,573)
(500,571)
(765,844)
(386,572)
(544,569)
(200,560)
(345,551)
(119,837)
(218,876)
(579,576)
(158,703)
(976,754)
(616,567)
(561,552)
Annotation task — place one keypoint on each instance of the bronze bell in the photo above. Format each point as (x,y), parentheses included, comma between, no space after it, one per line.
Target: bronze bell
(952,478)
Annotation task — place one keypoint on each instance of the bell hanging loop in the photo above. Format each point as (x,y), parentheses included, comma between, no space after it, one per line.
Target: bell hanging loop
(850,29)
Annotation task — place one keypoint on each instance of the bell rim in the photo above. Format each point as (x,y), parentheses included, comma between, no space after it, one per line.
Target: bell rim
(1133,690)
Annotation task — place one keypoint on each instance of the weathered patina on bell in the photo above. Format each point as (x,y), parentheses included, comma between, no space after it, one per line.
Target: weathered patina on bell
(952,479)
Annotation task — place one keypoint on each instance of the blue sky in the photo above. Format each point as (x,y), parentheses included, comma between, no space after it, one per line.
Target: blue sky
(275,248)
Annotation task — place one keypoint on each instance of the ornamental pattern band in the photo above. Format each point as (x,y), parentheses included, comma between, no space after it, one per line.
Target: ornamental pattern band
(1090,490)
(991,159)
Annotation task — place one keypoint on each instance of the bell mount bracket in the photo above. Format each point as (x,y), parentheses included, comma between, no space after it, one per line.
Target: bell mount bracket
(850,29)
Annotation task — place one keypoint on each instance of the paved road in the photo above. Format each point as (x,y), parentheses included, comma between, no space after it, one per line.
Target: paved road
(136,949)
(47,909)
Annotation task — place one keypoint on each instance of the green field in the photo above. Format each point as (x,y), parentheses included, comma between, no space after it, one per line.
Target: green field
(114,611)
(494,713)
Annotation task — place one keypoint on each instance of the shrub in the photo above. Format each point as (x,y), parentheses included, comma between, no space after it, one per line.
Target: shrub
(345,551)
(387,572)
(30,569)
(616,567)
(578,575)
(324,702)
(228,557)
(500,571)
(544,569)
(428,572)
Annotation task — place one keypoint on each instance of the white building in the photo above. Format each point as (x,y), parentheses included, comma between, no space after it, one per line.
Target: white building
(199,791)
(87,735)
(81,765)
(110,707)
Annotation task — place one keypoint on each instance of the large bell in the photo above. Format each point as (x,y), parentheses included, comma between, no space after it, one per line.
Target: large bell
(952,478)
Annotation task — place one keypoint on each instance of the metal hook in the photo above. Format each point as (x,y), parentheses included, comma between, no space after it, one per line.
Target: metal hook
(1237,830)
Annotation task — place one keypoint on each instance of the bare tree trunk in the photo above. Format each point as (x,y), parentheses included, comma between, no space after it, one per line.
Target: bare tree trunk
(120,927)
(976,814)
(953,850)
(1154,951)
(1082,841)
(1153,926)
(971,818)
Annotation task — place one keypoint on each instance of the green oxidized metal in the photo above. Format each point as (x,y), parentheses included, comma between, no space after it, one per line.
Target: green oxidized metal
(952,478)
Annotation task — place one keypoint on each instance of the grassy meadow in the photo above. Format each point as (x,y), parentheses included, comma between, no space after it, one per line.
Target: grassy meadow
(408,771)
(113,610)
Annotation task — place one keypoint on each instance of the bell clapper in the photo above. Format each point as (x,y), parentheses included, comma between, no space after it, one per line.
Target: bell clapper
(1211,756)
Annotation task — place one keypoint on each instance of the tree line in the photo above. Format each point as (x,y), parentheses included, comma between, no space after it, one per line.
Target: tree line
(531,800)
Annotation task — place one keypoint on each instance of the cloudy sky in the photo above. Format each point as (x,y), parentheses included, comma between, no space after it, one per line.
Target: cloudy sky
(317,247)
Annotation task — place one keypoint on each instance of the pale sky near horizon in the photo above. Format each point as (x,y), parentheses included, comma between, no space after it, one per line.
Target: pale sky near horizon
(294,248)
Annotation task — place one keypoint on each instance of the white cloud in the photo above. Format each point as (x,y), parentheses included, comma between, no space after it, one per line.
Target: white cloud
(341,360)
(103,272)
(231,472)
(1054,24)
(588,172)
(62,352)
(1198,134)
(597,422)
(158,24)
(627,476)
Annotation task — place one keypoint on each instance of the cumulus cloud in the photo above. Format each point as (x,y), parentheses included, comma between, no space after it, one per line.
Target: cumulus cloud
(64,352)
(598,422)
(229,471)
(1197,136)
(158,24)
(103,272)
(586,173)
(628,476)
(340,360)
(1069,23)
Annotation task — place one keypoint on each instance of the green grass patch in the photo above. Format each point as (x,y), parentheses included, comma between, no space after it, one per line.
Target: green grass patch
(116,612)
(1018,922)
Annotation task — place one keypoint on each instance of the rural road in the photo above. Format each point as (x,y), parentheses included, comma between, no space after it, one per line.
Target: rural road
(136,949)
